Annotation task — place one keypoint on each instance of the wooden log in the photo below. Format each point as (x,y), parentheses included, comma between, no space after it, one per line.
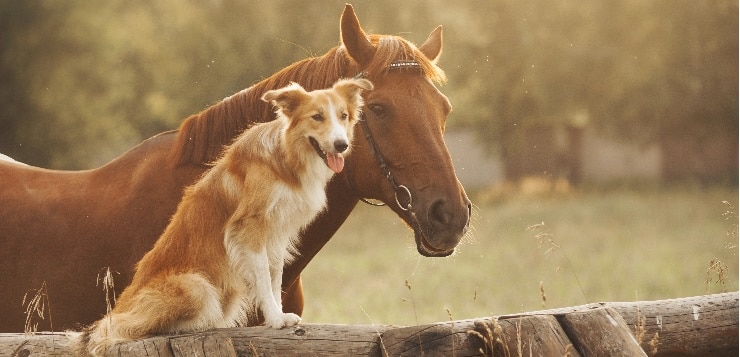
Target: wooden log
(600,332)
(713,331)
(536,336)
(39,344)
(216,345)
(309,339)
(699,326)
(540,335)
(202,344)
(431,340)
(155,346)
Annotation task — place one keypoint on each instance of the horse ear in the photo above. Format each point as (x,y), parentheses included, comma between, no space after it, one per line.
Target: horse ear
(354,38)
(351,89)
(287,99)
(432,47)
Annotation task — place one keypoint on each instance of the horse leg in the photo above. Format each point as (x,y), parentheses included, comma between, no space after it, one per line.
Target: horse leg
(293,297)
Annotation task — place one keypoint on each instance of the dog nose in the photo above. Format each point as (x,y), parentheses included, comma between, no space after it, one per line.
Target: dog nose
(340,145)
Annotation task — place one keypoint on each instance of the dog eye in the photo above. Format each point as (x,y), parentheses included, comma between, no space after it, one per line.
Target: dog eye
(344,116)
(317,117)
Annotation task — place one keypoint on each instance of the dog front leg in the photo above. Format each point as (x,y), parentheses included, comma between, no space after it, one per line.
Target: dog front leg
(250,251)
(254,267)
(260,273)
(276,273)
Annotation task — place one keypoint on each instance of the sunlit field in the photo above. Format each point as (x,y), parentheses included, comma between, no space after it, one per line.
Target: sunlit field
(530,253)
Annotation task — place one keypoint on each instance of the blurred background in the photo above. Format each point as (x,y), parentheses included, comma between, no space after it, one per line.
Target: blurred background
(613,122)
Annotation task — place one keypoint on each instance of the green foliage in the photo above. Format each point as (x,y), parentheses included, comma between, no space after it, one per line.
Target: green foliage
(84,81)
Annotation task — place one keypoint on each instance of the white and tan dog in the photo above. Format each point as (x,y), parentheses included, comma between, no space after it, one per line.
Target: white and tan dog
(223,252)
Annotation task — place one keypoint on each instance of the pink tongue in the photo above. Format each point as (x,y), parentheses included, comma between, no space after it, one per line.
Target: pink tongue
(335,162)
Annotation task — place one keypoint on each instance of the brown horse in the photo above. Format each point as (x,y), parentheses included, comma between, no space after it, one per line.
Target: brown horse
(63,228)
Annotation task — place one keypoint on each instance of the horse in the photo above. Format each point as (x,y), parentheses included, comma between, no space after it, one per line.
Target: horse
(62,231)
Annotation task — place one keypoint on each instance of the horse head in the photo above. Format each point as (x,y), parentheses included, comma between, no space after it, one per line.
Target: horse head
(402,159)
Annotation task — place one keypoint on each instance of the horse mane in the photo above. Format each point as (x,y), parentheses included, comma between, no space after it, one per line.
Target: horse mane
(202,136)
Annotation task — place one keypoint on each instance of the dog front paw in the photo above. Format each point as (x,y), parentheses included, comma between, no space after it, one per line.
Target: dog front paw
(283,320)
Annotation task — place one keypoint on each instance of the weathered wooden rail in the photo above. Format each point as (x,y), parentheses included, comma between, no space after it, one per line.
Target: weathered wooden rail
(695,326)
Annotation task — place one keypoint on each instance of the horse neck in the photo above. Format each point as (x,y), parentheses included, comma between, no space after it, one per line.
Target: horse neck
(311,73)
(203,136)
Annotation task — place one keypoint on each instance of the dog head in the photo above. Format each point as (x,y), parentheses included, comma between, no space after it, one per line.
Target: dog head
(324,118)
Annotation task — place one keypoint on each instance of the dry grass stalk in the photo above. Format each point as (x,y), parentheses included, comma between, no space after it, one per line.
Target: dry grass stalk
(252,350)
(380,336)
(519,350)
(640,327)
(731,216)
(452,330)
(38,305)
(413,307)
(719,268)
(411,299)
(543,296)
(641,330)
(568,350)
(108,287)
(654,344)
(544,238)
(716,266)
(491,336)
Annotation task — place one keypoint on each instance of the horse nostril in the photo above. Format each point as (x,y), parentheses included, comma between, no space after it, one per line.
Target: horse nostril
(340,145)
(438,213)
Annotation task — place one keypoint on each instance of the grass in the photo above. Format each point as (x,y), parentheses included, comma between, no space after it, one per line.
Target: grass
(37,307)
(582,247)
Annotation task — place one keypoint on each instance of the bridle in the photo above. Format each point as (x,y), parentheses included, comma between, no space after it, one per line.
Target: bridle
(386,171)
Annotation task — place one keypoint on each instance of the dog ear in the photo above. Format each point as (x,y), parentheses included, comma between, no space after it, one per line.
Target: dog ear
(351,89)
(286,99)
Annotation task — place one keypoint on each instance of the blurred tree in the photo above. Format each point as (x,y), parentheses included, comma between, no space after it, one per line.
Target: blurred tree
(86,81)
(640,71)
(698,88)
(82,82)
(17,19)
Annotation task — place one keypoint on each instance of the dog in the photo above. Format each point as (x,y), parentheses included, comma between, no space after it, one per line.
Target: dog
(222,254)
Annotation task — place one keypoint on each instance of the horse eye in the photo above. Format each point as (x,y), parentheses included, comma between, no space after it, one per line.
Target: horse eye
(377,109)
(317,117)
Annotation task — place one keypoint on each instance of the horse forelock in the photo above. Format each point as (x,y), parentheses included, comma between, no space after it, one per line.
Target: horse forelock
(390,49)
(202,136)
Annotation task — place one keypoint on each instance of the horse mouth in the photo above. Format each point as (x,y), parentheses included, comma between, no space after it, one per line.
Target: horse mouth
(425,248)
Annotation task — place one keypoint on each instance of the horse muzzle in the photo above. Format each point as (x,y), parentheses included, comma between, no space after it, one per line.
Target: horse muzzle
(441,228)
